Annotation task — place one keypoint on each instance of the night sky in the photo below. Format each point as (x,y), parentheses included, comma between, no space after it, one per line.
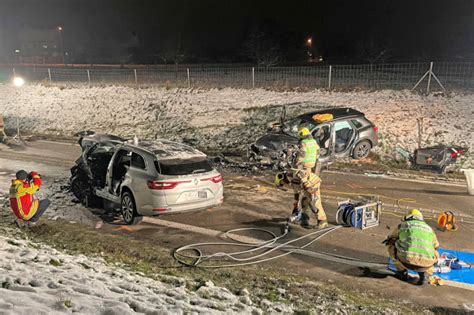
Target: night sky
(218,30)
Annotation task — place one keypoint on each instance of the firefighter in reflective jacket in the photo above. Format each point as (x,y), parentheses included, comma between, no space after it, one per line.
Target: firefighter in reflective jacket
(308,150)
(311,198)
(413,245)
(22,201)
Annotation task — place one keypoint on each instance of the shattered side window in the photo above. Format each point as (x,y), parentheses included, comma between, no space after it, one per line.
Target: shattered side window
(138,161)
(102,149)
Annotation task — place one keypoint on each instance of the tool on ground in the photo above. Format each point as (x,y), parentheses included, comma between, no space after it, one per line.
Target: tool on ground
(447,262)
(362,213)
(435,280)
(446,221)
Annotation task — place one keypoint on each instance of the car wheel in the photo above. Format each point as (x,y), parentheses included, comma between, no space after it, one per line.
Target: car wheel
(361,149)
(129,210)
(78,188)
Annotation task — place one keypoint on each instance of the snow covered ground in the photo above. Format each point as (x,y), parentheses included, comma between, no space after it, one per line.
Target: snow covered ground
(40,280)
(230,118)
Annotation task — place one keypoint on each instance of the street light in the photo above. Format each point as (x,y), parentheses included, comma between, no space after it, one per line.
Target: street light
(60,30)
(309,41)
(18,81)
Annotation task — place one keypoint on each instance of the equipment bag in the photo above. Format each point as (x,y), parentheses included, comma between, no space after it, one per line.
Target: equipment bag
(446,221)
(322,117)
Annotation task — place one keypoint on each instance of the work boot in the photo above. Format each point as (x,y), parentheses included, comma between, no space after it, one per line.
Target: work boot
(402,275)
(322,224)
(422,278)
(305,221)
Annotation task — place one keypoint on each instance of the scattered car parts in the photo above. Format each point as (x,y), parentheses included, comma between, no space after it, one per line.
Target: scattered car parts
(440,158)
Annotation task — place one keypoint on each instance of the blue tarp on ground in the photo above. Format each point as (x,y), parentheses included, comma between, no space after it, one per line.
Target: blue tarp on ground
(464,275)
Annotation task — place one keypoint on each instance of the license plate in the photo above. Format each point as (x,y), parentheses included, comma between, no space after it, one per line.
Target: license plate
(202,194)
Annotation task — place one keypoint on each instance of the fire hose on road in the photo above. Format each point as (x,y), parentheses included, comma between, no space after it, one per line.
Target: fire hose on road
(242,258)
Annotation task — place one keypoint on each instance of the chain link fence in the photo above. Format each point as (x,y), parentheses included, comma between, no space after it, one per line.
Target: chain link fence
(452,76)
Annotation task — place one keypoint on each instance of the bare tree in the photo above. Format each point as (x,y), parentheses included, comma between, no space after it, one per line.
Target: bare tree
(263,49)
(373,50)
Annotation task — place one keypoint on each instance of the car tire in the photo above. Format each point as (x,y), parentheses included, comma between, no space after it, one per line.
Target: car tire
(78,188)
(361,149)
(81,190)
(129,209)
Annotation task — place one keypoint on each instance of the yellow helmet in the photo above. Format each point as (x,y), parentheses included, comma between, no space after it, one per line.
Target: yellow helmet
(303,132)
(415,212)
(280,179)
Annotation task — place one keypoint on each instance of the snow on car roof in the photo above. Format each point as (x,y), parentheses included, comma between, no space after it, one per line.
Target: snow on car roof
(165,149)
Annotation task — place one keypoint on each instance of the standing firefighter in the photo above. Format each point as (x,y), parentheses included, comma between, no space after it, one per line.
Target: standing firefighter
(24,205)
(306,186)
(413,245)
(308,150)
(311,198)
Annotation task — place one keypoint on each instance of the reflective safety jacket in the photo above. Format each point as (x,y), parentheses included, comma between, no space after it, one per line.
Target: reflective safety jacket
(21,197)
(308,152)
(416,243)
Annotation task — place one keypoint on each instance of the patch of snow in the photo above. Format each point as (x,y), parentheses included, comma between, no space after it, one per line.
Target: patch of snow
(210,116)
(42,280)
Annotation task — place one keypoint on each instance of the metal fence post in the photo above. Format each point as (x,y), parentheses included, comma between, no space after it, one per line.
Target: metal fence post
(136,77)
(49,76)
(253,77)
(429,78)
(89,77)
(189,79)
(330,77)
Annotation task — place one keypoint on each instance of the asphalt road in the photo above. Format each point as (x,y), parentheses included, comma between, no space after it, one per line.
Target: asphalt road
(254,202)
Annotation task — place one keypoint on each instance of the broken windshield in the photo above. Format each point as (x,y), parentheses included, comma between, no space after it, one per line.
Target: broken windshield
(291,127)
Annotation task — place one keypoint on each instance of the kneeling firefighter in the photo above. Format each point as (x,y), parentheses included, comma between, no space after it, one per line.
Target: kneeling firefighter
(25,206)
(306,187)
(413,245)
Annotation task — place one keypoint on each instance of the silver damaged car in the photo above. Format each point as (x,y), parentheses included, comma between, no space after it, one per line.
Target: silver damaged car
(144,178)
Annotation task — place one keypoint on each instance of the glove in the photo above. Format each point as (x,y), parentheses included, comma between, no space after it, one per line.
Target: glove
(33,175)
(389,241)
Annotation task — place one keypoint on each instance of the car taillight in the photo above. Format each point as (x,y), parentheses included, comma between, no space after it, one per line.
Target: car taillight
(215,179)
(157,185)
(457,153)
(376,130)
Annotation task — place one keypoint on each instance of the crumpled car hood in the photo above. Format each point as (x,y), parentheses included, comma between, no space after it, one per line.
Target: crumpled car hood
(275,141)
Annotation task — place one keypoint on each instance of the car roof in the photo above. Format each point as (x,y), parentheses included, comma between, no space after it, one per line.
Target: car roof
(161,148)
(166,149)
(337,113)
